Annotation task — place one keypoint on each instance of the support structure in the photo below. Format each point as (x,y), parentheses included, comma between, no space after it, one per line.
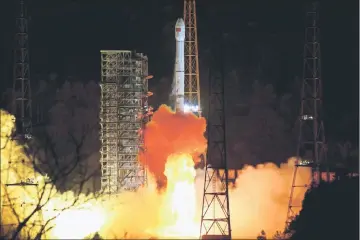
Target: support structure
(22,110)
(311,150)
(124,112)
(215,217)
(192,79)
(21,84)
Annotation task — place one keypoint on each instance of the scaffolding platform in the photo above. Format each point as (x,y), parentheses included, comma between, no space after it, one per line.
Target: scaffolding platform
(124,89)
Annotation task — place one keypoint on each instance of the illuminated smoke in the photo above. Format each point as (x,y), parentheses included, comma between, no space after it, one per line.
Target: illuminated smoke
(19,203)
(258,201)
(170,133)
(173,143)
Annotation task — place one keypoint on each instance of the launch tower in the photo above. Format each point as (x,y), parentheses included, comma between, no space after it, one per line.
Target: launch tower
(22,110)
(311,150)
(124,113)
(21,84)
(192,79)
(215,216)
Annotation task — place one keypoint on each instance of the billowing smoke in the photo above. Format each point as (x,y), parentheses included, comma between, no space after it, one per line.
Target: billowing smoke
(20,205)
(172,133)
(258,201)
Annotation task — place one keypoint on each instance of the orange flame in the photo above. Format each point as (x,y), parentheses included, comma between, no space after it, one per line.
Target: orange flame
(172,133)
(257,201)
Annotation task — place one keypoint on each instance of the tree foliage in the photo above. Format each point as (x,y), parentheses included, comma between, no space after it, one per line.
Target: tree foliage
(330,211)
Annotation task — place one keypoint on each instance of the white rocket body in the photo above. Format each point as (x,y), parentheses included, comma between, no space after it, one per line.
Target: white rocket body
(179,76)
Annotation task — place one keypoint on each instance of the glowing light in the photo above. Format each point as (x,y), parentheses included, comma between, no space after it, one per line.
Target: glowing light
(67,215)
(191,108)
(258,199)
(304,162)
(307,117)
(181,196)
(79,223)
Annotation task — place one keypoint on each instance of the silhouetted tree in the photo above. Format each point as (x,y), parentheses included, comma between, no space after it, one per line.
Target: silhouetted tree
(330,211)
(72,134)
(26,194)
(261,236)
(342,158)
(279,236)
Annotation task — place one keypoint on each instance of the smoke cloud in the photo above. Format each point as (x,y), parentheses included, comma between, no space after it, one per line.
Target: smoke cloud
(172,133)
(258,200)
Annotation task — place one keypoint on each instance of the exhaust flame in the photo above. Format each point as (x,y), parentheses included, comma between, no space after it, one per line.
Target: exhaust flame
(79,222)
(181,195)
(172,133)
(174,141)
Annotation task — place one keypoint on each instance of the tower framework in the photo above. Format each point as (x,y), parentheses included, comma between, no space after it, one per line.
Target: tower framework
(22,110)
(311,150)
(21,74)
(215,217)
(192,79)
(123,114)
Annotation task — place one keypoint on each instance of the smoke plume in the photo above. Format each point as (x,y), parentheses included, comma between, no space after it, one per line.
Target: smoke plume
(26,211)
(258,200)
(172,133)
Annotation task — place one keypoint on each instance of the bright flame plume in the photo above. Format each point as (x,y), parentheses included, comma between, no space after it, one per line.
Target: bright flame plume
(174,142)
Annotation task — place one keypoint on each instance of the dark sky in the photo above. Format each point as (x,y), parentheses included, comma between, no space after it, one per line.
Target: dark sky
(66,38)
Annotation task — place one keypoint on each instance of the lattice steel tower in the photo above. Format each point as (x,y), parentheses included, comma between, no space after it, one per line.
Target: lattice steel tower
(21,84)
(123,114)
(215,217)
(311,150)
(22,110)
(192,79)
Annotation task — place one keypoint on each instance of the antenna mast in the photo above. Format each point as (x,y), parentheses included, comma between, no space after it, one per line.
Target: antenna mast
(311,150)
(215,217)
(23,114)
(21,84)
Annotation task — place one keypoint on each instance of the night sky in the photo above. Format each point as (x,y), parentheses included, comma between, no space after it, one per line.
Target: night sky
(66,38)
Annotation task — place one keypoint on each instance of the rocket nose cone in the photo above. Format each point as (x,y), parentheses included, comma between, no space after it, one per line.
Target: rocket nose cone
(180,23)
(180,30)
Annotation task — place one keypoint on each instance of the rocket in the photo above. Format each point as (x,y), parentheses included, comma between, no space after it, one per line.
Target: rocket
(179,75)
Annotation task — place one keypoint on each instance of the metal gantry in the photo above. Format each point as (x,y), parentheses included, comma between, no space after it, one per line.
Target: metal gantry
(22,110)
(215,217)
(21,74)
(311,150)
(192,79)
(124,112)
